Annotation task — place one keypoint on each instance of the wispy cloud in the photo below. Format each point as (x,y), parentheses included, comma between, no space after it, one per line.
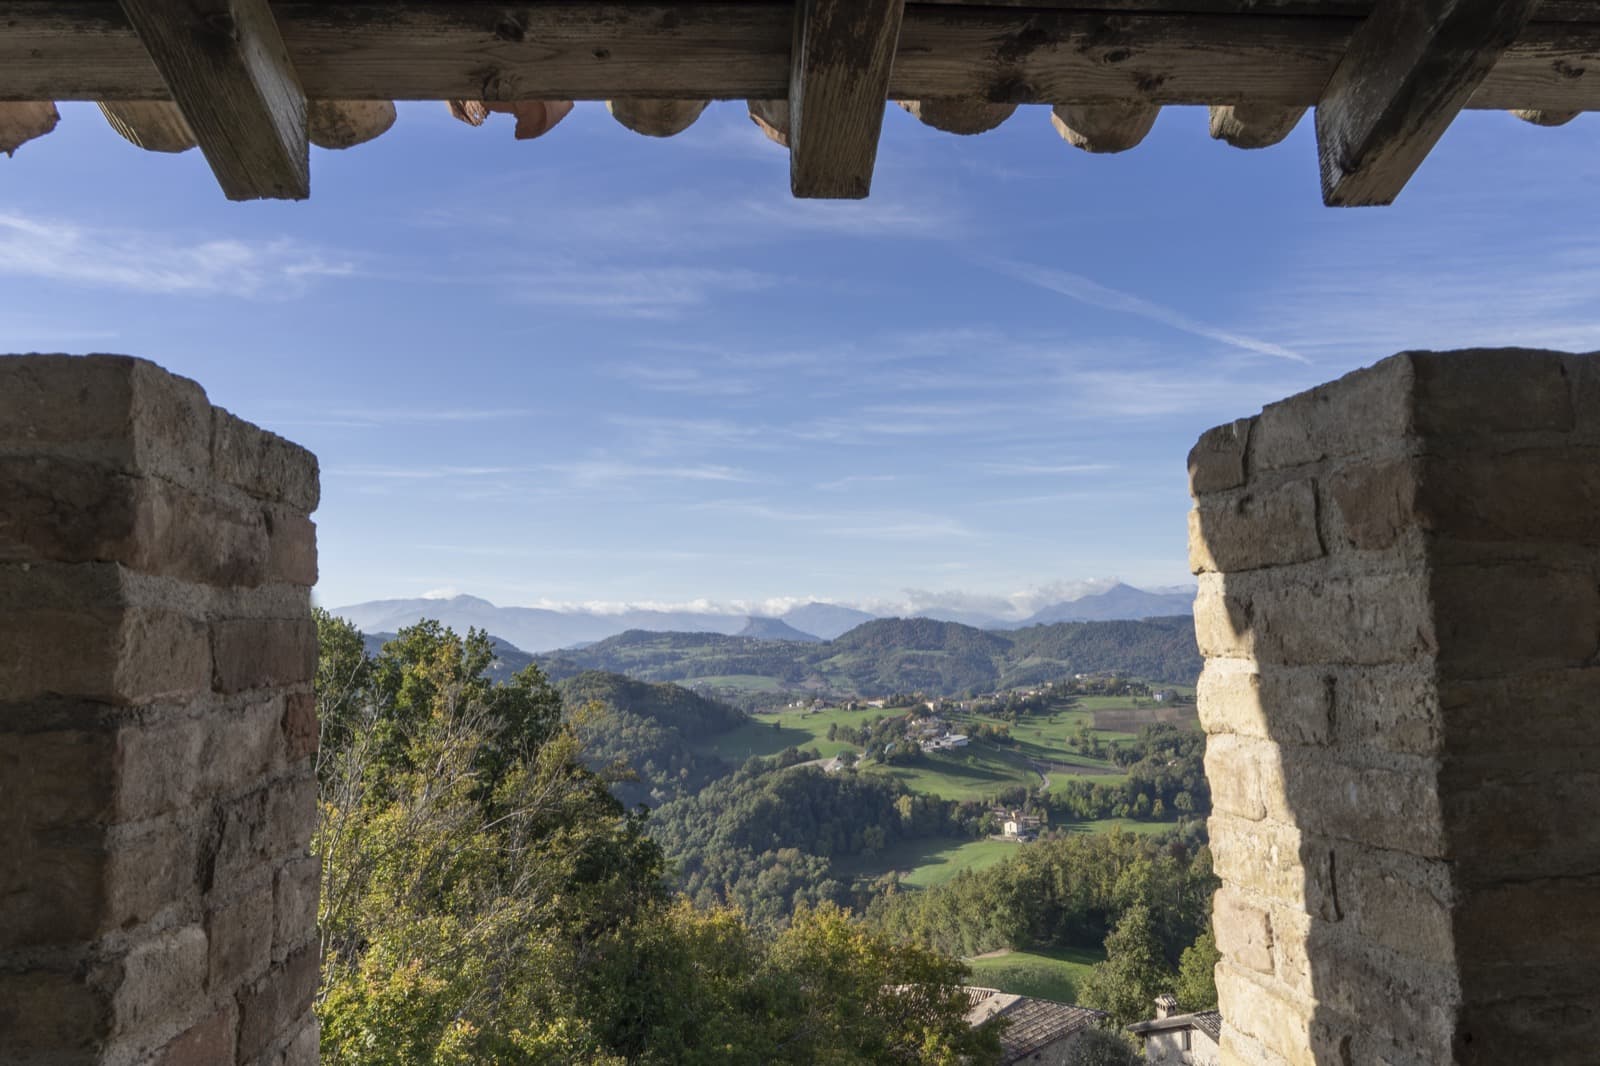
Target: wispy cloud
(1088,291)
(374,417)
(636,292)
(155,262)
(1034,469)
(602,471)
(421,473)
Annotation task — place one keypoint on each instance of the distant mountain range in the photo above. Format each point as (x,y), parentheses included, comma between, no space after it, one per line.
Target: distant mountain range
(540,629)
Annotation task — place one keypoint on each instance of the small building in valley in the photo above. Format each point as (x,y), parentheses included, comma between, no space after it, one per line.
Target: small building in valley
(1037,1030)
(1172,1039)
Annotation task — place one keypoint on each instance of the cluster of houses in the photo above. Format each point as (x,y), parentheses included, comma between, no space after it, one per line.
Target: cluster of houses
(1045,1032)
(934,734)
(1017,825)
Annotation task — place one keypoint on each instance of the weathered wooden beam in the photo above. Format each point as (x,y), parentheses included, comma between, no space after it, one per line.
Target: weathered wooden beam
(656,118)
(1251,126)
(1229,52)
(1409,69)
(23,121)
(964,117)
(1102,128)
(838,82)
(154,125)
(230,74)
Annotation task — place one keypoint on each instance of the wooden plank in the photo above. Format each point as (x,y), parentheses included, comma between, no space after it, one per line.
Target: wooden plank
(1409,70)
(739,49)
(230,74)
(838,84)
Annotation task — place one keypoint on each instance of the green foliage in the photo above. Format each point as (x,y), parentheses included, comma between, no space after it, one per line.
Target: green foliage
(1062,892)
(1103,1047)
(1165,770)
(1197,980)
(486,900)
(1135,970)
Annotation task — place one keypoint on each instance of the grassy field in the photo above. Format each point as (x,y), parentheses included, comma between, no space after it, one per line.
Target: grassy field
(1051,973)
(974,772)
(926,863)
(1127,825)
(798,729)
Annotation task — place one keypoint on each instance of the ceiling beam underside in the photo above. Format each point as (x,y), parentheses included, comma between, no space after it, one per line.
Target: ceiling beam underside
(229,72)
(1407,73)
(839,79)
(740,49)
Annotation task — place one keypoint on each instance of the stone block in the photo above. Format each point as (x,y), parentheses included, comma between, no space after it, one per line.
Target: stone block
(1499,620)
(1284,705)
(1217,462)
(161,980)
(1524,718)
(53,886)
(278,1003)
(150,869)
(1243,931)
(1266,1012)
(1362,411)
(1364,619)
(295,898)
(1371,506)
(1536,1029)
(1223,620)
(1399,902)
(1276,862)
(1394,807)
(240,935)
(59,777)
(1490,390)
(262,653)
(1522,824)
(1235,768)
(1402,1004)
(44,1012)
(123,413)
(1255,529)
(264,464)
(1388,709)
(301,734)
(291,555)
(1546,494)
(209,1042)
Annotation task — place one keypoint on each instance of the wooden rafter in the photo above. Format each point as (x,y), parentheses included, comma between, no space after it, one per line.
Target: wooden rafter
(739,49)
(1094,51)
(838,79)
(1409,69)
(229,72)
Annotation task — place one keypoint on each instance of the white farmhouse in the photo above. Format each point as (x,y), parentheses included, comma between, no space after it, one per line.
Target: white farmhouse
(1181,1039)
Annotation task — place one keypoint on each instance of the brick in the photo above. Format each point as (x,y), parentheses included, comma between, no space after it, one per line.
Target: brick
(1495,620)
(1490,390)
(301,735)
(1217,461)
(206,1043)
(1287,706)
(277,1003)
(295,897)
(264,464)
(240,936)
(1252,530)
(1243,931)
(291,548)
(260,653)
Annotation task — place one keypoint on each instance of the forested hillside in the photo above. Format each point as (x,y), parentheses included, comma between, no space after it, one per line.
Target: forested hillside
(900,655)
(648,730)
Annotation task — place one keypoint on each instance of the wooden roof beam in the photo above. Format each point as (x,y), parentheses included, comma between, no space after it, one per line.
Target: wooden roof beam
(838,82)
(230,75)
(1409,68)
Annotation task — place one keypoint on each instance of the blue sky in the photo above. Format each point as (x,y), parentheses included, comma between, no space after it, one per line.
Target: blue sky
(598,367)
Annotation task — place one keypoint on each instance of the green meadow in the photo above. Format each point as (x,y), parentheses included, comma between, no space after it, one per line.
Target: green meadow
(1048,973)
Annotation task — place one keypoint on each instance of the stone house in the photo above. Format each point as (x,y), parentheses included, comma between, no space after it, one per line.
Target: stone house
(1037,1031)
(1174,1039)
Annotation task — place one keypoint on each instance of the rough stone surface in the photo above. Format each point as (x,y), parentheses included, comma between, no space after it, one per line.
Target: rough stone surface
(156,724)
(1400,609)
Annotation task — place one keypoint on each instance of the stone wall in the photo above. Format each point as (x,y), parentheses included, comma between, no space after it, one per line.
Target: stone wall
(157,895)
(1399,608)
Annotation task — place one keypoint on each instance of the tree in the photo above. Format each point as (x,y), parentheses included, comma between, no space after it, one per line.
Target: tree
(1197,978)
(1134,973)
(1102,1047)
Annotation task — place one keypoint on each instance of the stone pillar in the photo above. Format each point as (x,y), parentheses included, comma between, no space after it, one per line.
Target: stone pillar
(157,894)
(1400,611)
